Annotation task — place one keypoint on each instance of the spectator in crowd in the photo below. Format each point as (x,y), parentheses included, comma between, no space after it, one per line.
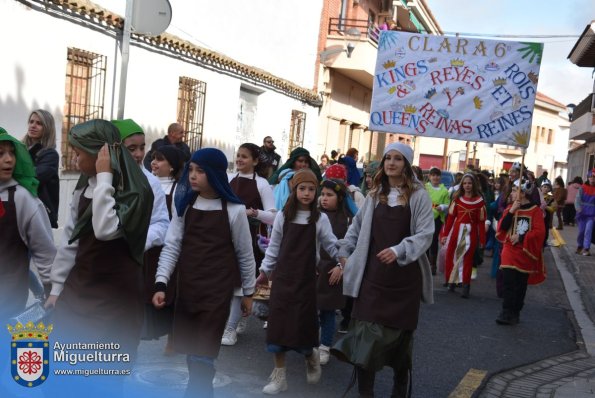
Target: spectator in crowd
(41,142)
(569,212)
(273,159)
(175,136)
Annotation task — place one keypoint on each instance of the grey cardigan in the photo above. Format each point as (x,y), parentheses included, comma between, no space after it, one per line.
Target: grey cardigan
(356,243)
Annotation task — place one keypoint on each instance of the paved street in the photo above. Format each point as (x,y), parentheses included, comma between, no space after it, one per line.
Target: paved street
(455,336)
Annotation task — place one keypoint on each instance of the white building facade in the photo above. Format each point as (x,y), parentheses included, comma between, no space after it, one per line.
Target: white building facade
(230,72)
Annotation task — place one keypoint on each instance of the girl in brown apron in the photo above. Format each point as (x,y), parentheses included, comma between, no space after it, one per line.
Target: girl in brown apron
(133,138)
(167,165)
(24,227)
(208,242)
(292,254)
(387,272)
(329,287)
(256,193)
(98,270)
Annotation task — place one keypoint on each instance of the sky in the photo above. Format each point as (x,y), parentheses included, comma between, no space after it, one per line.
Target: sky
(559,78)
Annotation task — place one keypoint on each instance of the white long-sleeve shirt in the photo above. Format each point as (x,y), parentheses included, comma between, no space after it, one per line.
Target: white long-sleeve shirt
(34,227)
(159,214)
(105,223)
(166,184)
(240,235)
(324,237)
(268,212)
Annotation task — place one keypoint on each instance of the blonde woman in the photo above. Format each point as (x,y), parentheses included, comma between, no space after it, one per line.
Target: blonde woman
(41,143)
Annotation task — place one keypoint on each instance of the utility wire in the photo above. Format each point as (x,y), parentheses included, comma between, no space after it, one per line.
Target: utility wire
(517,36)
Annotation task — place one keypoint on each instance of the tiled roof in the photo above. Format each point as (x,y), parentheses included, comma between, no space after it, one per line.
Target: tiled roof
(91,12)
(551,101)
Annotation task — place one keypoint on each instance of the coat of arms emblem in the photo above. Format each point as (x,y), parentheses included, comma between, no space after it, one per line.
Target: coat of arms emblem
(30,353)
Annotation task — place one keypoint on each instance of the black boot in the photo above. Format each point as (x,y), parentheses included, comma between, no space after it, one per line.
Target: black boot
(401,384)
(507,318)
(365,382)
(451,287)
(200,379)
(466,290)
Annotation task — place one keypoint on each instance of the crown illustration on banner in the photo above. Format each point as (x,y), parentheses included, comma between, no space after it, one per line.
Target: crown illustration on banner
(499,81)
(409,109)
(431,92)
(522,137)
(389,64)
(457,62)
(30,331)
(533,77)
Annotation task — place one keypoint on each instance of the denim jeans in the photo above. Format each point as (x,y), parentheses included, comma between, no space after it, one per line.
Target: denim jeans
(327,327)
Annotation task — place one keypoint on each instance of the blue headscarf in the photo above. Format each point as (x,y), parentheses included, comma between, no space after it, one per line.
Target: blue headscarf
(214,163)
(353,177)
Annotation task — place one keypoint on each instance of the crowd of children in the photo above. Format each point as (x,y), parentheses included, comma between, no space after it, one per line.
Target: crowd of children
(176,252)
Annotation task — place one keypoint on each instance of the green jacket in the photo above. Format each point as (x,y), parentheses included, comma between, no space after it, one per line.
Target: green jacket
(439,197)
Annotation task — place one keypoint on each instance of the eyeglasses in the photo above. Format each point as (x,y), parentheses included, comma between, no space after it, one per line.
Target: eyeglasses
(269,142)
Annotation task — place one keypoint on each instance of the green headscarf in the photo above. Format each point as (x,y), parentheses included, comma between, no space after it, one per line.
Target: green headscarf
(134,197)
(127,127)
(24,169)
(370,169)
(296,153)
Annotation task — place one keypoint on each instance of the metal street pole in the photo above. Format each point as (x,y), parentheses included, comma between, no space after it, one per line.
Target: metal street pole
(125,48)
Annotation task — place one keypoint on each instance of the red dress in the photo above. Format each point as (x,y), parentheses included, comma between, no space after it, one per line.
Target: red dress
(525,257)
(466,222)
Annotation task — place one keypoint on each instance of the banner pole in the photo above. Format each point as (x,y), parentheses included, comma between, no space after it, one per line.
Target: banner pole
(444,153)
(516,214)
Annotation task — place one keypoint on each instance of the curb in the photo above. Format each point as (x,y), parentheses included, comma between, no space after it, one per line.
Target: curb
(543,378)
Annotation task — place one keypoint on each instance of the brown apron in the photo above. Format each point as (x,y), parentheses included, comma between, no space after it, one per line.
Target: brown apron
(14,269)
(390,294)
(247,190)
(102,296)
(293,317)
(158,322)
(331,297)
(207,273)
(152,262)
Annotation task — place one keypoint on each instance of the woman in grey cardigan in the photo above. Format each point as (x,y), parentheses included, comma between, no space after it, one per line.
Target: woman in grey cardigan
(387,272)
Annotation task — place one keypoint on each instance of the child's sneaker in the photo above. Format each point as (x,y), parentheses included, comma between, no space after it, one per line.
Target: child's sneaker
(242,325)
(579,250)
(585,252)
(325,354)
(230,337)
(313,371)
(278,382)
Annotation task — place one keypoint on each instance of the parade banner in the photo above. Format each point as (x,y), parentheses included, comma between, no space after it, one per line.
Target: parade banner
(455,87)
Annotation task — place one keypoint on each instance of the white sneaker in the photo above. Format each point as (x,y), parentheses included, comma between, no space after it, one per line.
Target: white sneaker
(230,337)
(278,382)
(242,325)
(324,354)
(265,325)
(313,371)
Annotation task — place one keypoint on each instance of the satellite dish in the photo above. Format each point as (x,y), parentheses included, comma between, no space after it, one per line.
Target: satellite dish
(151,17)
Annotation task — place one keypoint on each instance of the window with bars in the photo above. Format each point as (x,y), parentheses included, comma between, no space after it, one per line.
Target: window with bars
(85,92)
(296,130)
(191,110)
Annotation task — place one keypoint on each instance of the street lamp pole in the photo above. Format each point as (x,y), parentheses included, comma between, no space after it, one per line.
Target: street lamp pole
(125,48)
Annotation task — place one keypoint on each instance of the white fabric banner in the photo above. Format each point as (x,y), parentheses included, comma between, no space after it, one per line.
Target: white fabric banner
(455,87)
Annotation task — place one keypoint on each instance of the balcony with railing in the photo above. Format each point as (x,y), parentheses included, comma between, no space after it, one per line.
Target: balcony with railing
(351,48)
(583,120)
